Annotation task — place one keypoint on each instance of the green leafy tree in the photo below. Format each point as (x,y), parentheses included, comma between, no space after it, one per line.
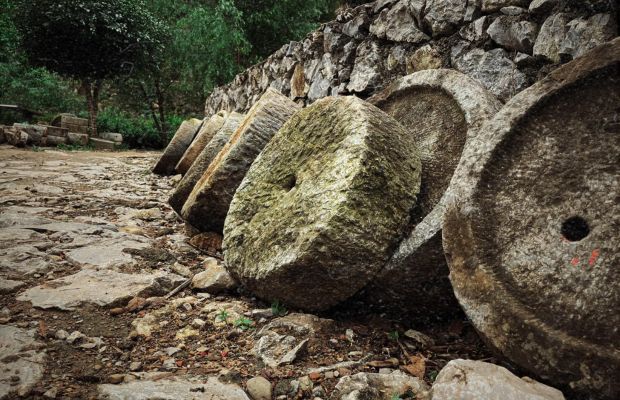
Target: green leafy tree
(88,40)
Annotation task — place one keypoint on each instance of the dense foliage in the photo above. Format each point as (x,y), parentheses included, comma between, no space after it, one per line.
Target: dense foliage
(151,59)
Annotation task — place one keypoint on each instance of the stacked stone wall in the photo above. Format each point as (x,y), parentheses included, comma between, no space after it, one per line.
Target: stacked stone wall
(507,45)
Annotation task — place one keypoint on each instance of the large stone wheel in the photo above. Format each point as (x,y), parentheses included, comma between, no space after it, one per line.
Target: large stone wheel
(532,230)
(442,110)
(322,208)
(203,137)
(207,205)
(201,163)
(177,146)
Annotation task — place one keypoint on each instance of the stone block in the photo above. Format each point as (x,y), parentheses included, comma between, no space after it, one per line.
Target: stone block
(177,146)
(203,137)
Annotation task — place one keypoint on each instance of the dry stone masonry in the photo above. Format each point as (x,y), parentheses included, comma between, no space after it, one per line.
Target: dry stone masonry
(177,147)
(207,204)
(530,235)
(506,45)
(323,206)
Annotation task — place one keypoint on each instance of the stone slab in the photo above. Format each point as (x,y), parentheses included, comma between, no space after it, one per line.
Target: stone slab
(203,137)
(104,288)
(324,204)
(22,361)
(80,139)
(102,144)
(177,146)
(202,162)
(207,204)
(442,110)
(107,253)
(531,234)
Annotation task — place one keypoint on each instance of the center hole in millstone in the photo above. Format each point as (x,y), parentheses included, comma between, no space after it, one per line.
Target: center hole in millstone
(575,228)
(289,182)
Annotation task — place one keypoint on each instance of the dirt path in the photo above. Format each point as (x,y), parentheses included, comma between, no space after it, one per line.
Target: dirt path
(88,246)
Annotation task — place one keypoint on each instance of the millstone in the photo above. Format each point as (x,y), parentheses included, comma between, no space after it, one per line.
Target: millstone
(442,110)
(531,231)
(177,146)
(200,165)
(203,137)
(207,204)
(324,205)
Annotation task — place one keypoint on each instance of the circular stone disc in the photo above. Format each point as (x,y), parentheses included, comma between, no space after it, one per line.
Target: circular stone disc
(207,205)
(203,137)
(203,160)
(177,146)
(532,232)
(324,205)
(442,110)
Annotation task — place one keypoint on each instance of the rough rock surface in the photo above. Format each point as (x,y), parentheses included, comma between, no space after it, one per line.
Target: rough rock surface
(103,288)
(199,166)
(215,279)
(151,388)
(513,34)
(177,146)
(442,110)
(380,386)
(533,261)
(474,380)
(22,361)
(208,203)
(203,137)
(324,204)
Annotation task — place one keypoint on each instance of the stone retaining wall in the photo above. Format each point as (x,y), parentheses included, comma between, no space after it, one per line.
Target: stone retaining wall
(507,45)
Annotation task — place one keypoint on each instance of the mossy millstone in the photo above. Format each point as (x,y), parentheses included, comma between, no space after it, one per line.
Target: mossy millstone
(442,110)
(202,162)
(177,146)
(207,205)
(531,229)
(203,137)
(324,205)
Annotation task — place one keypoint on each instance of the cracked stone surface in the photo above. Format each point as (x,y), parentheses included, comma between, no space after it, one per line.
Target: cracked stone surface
(22,361)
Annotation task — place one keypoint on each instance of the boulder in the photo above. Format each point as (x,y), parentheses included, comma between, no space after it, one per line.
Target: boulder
(177,146)
(207,155)
(398,24)
(366,74)
(551,36)
(36,133)
(585,34)
(53,141)
(102,144)
(365,385)
(204,136)
(15,137)
(111,136)
(441,110)
(529,235)
(214,279)
(513,34)
(208,203)
(324,204)
(443,16)
(475,380)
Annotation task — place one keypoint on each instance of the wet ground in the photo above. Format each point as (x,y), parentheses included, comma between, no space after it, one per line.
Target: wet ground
(88,250)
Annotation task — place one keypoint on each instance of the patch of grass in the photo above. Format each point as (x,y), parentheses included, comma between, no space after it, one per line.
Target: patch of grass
(393,336)
(74,147)
(278,309)
(222,315)
(243,323)
(432,375)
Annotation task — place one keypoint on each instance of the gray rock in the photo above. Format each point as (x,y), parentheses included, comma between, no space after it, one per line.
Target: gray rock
(366,385)
(215,279)
(513,35)
(398,24)
(442,110)
(86,287)
(259,388)
(476,31)
(299,87)
(551,37)
(495,5)
(115,137)
(357,26)
(493,69)
(529,258)
(513,10)
(177,146)
(203,137)
(208,203)
(199,166)
(80,139)
(107,253)
(22,361)
(443,16)
(542,6)
(474,380)
(426,57)
(366,75)
(9,286)
(585,34)
(324,203)
(148,387)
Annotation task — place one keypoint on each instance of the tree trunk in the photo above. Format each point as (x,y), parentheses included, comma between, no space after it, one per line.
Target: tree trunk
(92,91)
(162,115)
